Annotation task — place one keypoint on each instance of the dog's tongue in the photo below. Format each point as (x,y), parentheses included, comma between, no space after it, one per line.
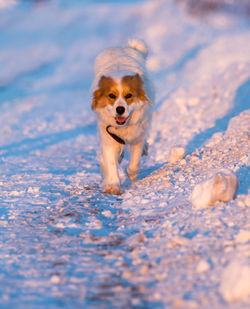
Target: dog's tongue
(120,119)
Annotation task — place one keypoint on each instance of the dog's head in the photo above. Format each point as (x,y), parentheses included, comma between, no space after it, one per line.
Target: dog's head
(118,98)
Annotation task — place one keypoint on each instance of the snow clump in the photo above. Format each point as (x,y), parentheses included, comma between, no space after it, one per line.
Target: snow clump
(202,266)
(176,154)
(221,187)
(235,283)
(243,237)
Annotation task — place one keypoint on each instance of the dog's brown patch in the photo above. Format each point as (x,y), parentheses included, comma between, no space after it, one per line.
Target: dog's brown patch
(108,91)
(103,95)
(132,89)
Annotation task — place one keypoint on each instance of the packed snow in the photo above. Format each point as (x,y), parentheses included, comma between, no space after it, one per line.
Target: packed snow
(235,283)
(221,187)
(176,154)
(65,244)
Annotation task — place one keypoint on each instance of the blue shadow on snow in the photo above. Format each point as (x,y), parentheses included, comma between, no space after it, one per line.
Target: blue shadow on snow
(241,103)
(31,144)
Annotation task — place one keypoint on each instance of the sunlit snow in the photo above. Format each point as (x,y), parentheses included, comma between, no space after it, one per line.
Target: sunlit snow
(65,244)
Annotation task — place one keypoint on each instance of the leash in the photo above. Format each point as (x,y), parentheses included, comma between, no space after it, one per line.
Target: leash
(115,137)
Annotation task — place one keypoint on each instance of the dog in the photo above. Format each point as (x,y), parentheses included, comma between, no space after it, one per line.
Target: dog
(122,98)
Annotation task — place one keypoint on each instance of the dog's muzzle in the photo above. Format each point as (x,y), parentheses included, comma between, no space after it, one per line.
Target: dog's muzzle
(120,120)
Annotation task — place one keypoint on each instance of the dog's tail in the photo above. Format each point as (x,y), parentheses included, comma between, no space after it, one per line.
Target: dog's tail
(139,45)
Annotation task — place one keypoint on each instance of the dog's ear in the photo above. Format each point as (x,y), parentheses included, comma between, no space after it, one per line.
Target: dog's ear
(97,93)
(95,98)
(103,85)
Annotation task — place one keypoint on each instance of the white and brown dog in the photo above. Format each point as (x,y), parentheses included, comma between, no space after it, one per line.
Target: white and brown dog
(123,98)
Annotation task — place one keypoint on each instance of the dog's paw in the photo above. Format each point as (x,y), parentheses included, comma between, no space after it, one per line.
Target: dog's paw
(132,174)
(115,190)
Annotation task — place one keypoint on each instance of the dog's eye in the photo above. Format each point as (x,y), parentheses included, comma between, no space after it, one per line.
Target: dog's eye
(112,96)
(128,96)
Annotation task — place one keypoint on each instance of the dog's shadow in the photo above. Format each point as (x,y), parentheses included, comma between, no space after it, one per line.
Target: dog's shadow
(143,173)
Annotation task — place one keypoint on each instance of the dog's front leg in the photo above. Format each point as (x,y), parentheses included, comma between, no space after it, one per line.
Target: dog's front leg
(134,161)
(109,160)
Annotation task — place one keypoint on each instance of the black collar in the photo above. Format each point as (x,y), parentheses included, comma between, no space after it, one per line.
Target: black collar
(115,137)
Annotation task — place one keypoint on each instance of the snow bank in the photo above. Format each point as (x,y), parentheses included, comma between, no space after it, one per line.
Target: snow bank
(243,237)
(221,187)
(235,283)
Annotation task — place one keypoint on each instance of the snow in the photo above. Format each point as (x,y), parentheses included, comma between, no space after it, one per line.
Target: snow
(5,3)
(243,236)
(202,266)
(235,283)
(176,153)
(65,244)
(221,187)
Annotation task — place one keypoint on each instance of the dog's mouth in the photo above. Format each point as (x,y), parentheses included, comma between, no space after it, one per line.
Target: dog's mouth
(120,120)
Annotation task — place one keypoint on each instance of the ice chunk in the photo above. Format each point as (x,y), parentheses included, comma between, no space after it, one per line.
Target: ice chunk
(176,154)
(34,190)
(202,266)
(221,187)
(235,283)
(247,200)
(55,279)
(193,101)
(242,237)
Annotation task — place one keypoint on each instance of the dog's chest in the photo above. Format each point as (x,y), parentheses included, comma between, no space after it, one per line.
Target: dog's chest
(133,133)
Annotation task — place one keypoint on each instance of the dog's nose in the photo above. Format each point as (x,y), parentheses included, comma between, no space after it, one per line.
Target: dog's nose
(120,110)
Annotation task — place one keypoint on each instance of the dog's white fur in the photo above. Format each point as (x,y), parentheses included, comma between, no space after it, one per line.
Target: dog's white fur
(117,63)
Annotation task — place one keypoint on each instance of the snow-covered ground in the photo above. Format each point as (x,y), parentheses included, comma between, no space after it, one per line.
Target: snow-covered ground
(64,244)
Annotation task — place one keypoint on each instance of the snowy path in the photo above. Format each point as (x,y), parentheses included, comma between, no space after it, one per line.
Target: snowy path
(64,244)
